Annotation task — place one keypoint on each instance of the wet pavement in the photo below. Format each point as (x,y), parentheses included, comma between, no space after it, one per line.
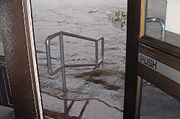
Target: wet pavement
(89,108)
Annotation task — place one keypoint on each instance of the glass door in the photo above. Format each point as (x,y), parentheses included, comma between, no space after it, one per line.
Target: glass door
(159,60)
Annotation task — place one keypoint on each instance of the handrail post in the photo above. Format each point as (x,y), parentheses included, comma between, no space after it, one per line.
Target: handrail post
(96,53)
(48,54)
(62,62)
(102,49)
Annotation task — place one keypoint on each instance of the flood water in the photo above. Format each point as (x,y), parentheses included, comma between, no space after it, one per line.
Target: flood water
(88,108)
(91,94)
(103,88)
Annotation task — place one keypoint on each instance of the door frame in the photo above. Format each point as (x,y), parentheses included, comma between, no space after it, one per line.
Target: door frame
(132,84)
(20,58)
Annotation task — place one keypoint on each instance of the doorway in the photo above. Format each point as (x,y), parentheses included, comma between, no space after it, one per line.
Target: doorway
(87,89)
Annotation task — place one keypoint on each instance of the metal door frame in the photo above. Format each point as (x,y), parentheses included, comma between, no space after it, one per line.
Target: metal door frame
(132,85)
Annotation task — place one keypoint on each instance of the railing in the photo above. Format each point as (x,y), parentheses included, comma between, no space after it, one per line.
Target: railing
(62,58)
(162,24)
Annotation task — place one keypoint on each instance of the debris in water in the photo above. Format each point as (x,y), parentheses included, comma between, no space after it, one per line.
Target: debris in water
(94,73)
(61,21)
(39,51)
(73,55)
(93,11)
(104,83)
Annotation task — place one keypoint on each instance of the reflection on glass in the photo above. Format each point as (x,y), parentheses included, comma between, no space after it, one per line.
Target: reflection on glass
(155,104)
(156,20)
(161,23)
(1,47)
(155,9)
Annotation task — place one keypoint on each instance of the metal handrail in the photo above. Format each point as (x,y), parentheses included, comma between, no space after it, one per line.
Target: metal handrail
(71,35)
(63,65)
(162,24)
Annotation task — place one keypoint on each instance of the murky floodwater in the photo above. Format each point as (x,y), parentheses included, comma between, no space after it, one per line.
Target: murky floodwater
(86,18)
(89,108)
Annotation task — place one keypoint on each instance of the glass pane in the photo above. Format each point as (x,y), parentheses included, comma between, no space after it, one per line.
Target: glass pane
(1,47)
(155,9)
(156,22)
(155,104)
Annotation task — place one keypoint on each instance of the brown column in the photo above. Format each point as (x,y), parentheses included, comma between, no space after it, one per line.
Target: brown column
(17,35)
(133,33)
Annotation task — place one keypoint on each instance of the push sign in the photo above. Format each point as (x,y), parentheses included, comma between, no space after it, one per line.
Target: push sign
(159,67)
(149,62)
